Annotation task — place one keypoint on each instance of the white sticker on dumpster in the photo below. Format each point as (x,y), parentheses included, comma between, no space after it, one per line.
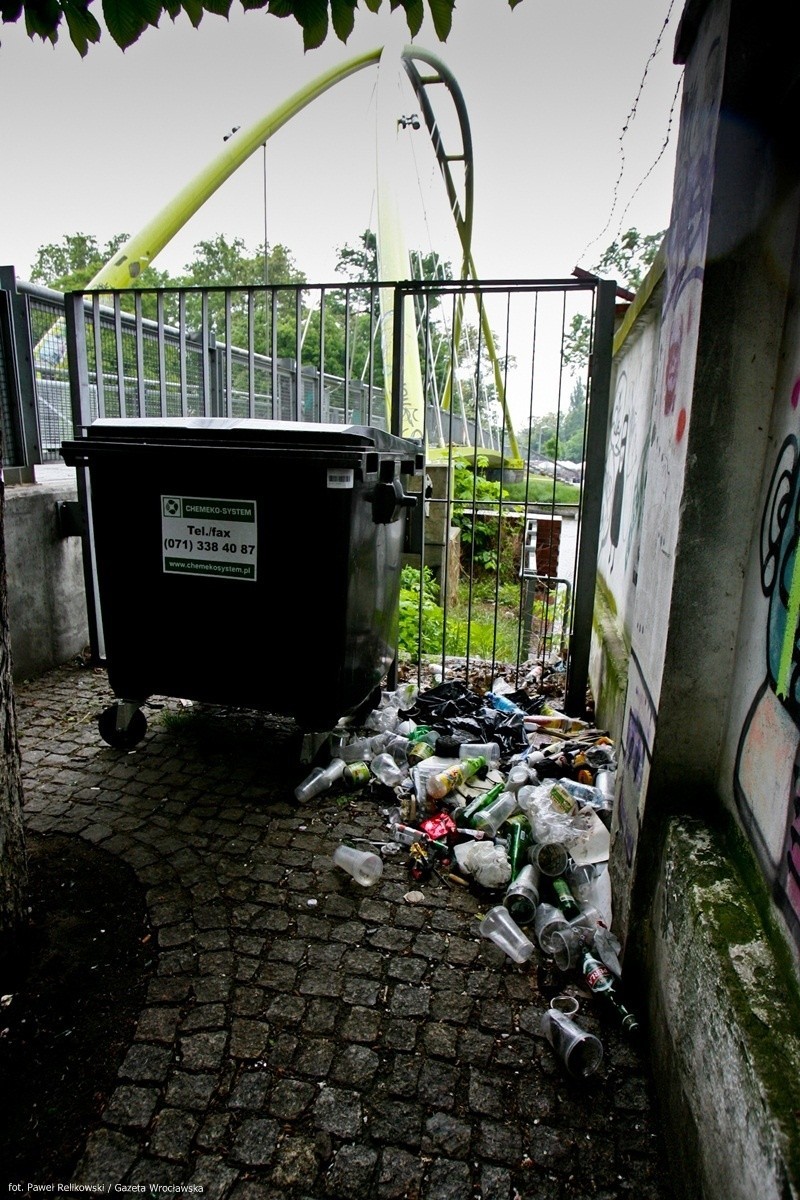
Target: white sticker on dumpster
(341,477)
(215,538)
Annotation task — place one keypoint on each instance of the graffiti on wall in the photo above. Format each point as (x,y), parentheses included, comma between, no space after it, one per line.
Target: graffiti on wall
(634,762)
(767,767)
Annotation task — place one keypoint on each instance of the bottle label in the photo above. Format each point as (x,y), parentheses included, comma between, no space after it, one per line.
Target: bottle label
(597,975)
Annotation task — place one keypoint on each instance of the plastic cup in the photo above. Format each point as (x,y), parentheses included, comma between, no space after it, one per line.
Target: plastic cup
(548,920)
(567,945)
(499,926)
(552,858)
(580,1052)
(522,896)
(365,867)
(564,1003)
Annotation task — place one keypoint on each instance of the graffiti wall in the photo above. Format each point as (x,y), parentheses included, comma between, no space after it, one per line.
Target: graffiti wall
(648,436)
(760,772)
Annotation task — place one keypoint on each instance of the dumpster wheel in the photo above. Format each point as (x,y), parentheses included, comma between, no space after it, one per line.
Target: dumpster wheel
(116,732)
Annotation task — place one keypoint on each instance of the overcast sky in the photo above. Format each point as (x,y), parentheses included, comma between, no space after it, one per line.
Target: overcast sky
(99,145)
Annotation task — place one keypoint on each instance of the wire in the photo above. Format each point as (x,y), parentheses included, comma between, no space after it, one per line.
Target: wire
(656,160)
(628,122)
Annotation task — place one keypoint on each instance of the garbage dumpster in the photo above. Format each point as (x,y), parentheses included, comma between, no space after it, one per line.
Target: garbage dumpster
(245,562)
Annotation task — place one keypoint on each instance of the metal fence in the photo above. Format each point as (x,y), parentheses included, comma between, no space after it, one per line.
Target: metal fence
(502,575)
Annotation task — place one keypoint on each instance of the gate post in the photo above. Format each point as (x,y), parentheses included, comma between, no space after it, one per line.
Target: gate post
(592,488)
(25,415)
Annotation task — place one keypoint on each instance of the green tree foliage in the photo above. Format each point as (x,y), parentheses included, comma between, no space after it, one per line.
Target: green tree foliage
(628,260)
(566,443)
(126,20)
(68,265)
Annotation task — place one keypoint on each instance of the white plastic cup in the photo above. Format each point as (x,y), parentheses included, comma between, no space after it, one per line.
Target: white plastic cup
(568,944)
(580,1052)
(365,867)
(489,750)
(547,921)
(499,926)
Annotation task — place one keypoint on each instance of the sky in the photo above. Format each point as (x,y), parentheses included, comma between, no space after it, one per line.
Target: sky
(99,145)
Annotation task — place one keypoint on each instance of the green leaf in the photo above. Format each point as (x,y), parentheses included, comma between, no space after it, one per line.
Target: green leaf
(343,15)
(281,8)
(514,3)
(194,11)
(442,13)
(249,5)
(125,22)
(220,8)
(373,5)
(10,10)
(415,13)
(312,16)
(42,19)
(83,28)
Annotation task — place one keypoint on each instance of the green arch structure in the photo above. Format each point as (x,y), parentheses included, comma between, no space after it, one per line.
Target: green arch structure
(140,250)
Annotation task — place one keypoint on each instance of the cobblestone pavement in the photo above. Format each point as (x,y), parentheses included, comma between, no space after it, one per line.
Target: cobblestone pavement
(304,1037)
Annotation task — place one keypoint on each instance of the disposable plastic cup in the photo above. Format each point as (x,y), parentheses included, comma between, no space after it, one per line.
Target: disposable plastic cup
(580,1052)
(567,945)
(552,858)
(522,896)
(564,1003)
(500,927)
(364,866)
(548,920)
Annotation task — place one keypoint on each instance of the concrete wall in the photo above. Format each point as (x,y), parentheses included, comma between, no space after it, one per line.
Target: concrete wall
(46,597)
(696,662)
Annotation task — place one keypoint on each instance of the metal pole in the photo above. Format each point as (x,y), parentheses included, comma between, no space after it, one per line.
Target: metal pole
(596,434)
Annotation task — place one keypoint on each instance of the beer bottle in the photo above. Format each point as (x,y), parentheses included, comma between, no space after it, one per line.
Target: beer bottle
(463,816)
(565,899)
(601,981)
(520,839)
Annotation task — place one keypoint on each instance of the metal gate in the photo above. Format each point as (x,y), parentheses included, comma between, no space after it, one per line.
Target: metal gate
(493,378)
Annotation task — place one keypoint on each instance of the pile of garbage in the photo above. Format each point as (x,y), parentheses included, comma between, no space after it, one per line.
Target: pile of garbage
(505,795)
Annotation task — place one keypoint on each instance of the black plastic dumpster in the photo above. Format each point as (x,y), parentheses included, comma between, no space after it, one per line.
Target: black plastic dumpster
(250,563)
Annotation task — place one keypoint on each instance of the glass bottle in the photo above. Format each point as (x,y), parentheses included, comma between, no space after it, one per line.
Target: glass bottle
(601,981)
(464,816)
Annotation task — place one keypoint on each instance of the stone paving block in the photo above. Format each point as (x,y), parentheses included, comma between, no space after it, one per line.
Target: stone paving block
(361,1047)
(131,1106)
(172,1133)
(338,1111)
(255,1141)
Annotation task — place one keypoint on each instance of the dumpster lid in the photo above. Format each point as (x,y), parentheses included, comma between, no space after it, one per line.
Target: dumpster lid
(252,431)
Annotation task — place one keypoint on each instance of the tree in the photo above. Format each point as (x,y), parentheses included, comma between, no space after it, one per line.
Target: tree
(127,20)
(629,258)
(68,265)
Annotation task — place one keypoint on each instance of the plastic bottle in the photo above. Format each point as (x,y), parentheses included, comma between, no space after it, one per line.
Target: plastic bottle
(503,704)
(385,769)
(439,785)
(320,780)
(490,819)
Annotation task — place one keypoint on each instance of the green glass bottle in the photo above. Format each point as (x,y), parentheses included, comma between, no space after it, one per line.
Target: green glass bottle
(520,839)
(601,981)
(565,899)
(463,816)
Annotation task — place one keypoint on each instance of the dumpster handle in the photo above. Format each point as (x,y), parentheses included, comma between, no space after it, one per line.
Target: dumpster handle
(388,501)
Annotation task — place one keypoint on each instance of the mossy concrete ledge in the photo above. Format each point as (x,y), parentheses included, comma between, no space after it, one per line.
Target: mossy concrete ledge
(725,1026)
